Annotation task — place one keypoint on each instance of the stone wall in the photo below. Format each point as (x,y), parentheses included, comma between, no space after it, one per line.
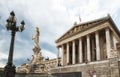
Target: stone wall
(106,68)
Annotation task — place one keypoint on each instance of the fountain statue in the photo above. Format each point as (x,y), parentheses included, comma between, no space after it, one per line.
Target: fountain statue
(37,64)
(37,59)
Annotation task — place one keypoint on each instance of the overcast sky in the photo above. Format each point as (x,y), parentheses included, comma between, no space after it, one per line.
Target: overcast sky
(54,18)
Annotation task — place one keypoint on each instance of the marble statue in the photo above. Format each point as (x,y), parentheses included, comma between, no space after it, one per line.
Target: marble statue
(36,38)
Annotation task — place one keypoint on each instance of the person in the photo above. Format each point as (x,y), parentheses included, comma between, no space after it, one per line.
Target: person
(94,74)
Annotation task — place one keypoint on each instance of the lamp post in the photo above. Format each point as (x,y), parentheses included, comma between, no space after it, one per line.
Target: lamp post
(9,69)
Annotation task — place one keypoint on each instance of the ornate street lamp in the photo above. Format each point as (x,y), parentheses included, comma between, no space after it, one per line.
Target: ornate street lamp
(9,69)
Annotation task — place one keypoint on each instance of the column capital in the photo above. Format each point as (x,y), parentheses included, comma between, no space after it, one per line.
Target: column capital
(67,43)
(107,28)
(88,35)
(57,47)
(96,32)
(80,38)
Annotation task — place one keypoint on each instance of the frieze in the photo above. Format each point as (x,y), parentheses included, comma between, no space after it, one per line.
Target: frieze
(75,30)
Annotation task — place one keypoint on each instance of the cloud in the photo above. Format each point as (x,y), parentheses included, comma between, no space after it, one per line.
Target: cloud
(2,65)
(3,56)
(47,53)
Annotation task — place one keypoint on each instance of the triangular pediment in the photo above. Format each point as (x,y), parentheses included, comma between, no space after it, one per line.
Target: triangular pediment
(84,26)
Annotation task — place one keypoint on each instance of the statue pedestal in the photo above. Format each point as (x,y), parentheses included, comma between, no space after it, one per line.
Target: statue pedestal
(37,65)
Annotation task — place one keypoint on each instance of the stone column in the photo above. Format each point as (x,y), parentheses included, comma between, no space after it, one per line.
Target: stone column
(80,50)
(114,42)
(118,50)
(88,48)
(73,52)
(57,52)
(108,43)
(57,56)
(62,49)
(68,53)
(97,45)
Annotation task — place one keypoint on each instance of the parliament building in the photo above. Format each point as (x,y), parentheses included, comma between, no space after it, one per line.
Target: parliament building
(91,49)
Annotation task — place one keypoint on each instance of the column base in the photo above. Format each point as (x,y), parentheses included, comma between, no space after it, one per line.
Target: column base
(9,71)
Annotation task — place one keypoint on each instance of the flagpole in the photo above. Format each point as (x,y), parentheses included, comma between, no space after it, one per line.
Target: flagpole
(79,18)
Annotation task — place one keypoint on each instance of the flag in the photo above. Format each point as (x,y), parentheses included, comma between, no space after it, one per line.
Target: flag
(79,18)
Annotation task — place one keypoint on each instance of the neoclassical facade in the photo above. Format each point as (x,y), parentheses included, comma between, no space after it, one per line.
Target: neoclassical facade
(89,46)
